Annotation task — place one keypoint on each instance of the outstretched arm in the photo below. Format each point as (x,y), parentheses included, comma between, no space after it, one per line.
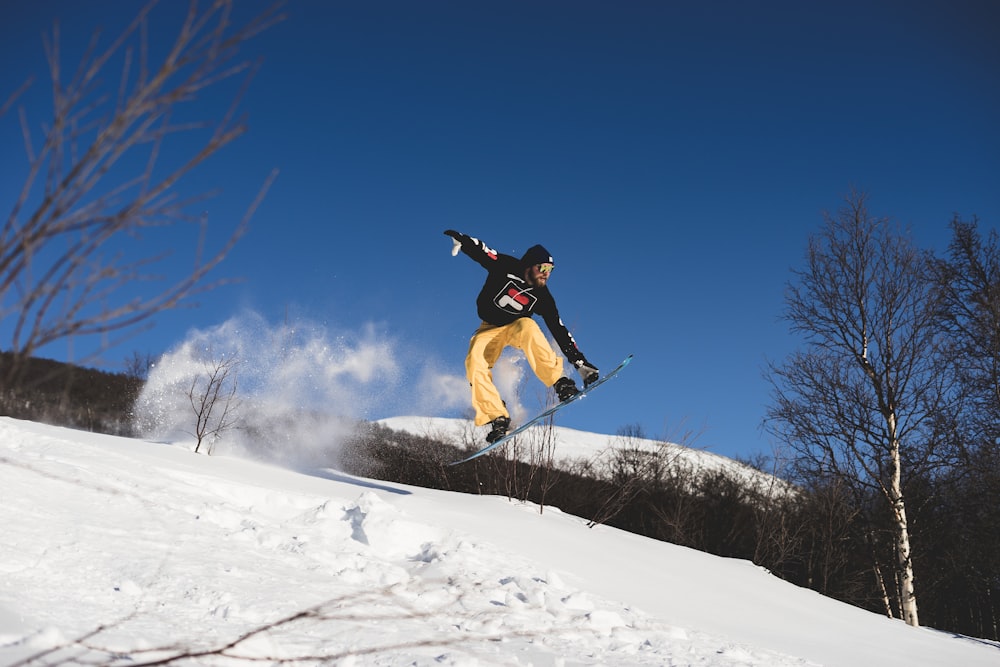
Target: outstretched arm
(472,247)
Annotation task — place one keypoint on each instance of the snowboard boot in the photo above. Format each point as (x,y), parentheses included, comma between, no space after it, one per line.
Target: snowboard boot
(565,389)
(500,426)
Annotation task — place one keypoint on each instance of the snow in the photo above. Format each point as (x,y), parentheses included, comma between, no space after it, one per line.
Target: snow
(124,551)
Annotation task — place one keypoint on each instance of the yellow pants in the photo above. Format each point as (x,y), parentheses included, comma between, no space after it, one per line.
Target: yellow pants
(484,350)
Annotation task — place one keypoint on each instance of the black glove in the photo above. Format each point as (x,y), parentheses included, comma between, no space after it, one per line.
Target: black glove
(453,234)
(588,373)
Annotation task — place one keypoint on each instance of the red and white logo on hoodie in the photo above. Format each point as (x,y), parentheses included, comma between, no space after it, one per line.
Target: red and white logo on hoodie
(512,299)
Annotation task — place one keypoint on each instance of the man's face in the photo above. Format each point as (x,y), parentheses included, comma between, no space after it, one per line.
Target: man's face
(538,274)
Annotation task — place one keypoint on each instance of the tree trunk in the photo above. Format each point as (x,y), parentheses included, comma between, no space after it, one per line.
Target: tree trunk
(907,594)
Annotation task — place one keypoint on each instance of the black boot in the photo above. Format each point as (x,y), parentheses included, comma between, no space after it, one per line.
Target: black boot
(565,388)
(500,426)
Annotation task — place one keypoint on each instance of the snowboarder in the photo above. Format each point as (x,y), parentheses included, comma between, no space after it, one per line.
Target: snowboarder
(515,289)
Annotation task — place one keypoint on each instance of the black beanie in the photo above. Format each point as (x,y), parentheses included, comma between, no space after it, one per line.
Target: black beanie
(536,254)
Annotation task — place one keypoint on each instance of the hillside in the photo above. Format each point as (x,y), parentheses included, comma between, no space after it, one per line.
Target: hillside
(572,445)
(121,551)
(60,393)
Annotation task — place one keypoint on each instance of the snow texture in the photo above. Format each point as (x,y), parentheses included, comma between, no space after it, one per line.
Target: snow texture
(123,551)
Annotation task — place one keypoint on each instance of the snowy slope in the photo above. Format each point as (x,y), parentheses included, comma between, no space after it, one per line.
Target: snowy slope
(165,549)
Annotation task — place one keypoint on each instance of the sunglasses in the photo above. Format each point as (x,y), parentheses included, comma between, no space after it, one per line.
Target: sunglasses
(544,269)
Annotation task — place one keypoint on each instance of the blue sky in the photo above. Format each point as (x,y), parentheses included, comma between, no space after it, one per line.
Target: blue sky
(673,156)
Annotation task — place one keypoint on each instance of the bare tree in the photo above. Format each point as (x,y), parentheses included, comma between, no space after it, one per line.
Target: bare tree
(969,544)
(969,283)
(99,180)
(630,470)
(213,398)
(857,403)
(541,461)
(138,365)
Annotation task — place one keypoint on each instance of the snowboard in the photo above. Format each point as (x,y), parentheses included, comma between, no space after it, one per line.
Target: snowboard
(548,412)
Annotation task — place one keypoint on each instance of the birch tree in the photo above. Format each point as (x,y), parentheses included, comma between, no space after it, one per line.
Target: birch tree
(857,403)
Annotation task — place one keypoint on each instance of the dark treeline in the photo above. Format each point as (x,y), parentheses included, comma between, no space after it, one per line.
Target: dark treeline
(67,395)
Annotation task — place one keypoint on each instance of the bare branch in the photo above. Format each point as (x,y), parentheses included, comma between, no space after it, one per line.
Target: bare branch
(82,195)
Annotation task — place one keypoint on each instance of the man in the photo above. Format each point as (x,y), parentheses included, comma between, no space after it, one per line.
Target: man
(516,289)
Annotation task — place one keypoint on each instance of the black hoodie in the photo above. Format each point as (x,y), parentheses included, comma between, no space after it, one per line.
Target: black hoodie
(506,295)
